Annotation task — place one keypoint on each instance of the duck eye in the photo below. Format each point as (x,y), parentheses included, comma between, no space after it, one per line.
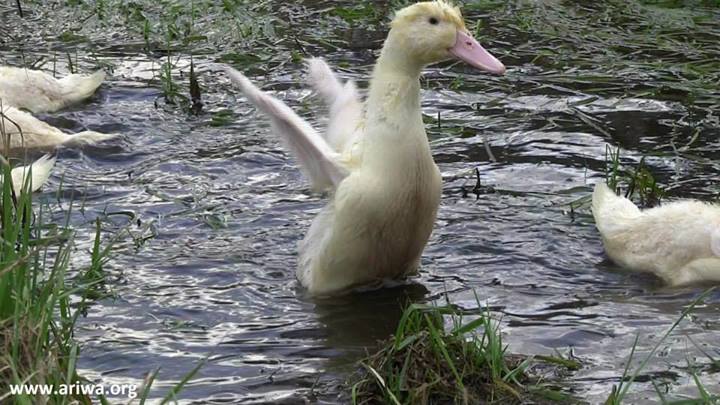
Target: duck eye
(433,20)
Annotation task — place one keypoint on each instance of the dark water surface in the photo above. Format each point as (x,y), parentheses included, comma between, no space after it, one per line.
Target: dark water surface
(208,211)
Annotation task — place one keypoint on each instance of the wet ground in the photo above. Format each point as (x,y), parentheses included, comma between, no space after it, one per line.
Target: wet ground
(207,208)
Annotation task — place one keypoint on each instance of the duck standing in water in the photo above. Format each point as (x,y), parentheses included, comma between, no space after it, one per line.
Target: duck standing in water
(679,241)
(375,160)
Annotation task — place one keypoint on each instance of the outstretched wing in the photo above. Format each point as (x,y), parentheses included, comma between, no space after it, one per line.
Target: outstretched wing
(343,102)
(318,161)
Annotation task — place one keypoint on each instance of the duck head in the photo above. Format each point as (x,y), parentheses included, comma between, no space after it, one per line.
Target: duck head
(434,31)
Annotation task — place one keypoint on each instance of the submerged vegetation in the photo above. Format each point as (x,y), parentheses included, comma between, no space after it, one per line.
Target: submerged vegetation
(664,49)
(638,180)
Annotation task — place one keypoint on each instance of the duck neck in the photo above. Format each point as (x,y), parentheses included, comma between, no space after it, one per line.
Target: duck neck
(395,58)
(394,96)
(394,66)
(395,132)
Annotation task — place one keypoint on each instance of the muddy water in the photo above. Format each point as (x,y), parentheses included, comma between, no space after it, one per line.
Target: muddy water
(207,209)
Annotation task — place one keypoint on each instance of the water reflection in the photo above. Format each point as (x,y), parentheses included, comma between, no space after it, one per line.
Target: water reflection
(359,321)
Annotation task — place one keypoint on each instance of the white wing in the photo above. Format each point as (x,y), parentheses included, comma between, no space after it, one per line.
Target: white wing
(318,161)
(343,101)
(41,169)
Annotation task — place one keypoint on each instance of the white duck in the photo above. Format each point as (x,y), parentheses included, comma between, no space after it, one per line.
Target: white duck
(39,172)
(38,91)
(679,241)
(386,186)
(27,132)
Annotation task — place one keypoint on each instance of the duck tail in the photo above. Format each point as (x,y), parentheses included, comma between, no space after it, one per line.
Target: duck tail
(610,209)
(39,170)
(86,138)
(78,87)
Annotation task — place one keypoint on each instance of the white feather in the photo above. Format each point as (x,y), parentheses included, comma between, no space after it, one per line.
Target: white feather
(320,163)
(38,91)
(345,106)
(677,241)
(39,172)
(27,132)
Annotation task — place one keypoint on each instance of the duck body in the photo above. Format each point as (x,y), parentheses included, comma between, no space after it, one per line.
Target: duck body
(383,212)
(679,241)
(375,158)
(29,133)
(38,91)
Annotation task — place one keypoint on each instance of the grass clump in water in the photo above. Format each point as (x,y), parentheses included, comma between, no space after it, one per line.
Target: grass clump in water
(38,304)
(41,300)
(469,364)
(639,180)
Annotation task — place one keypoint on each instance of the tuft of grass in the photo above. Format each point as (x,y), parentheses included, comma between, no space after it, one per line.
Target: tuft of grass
(195,92)
(426,362)
(639,181)
(171,396)
(39,304)
(423,362)
(612,167)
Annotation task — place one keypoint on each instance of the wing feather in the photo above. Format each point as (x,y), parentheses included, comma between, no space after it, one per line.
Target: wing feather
(318,161)
(343,101)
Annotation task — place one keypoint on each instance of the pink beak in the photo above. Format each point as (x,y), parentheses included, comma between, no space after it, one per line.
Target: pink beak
(469,50)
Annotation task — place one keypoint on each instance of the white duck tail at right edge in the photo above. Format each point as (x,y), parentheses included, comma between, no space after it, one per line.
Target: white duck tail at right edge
(678,241)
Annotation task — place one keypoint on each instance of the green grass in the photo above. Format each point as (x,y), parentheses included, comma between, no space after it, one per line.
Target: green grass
(42,297)
(39,304)
(638,180)
(40,300)
(425,362)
